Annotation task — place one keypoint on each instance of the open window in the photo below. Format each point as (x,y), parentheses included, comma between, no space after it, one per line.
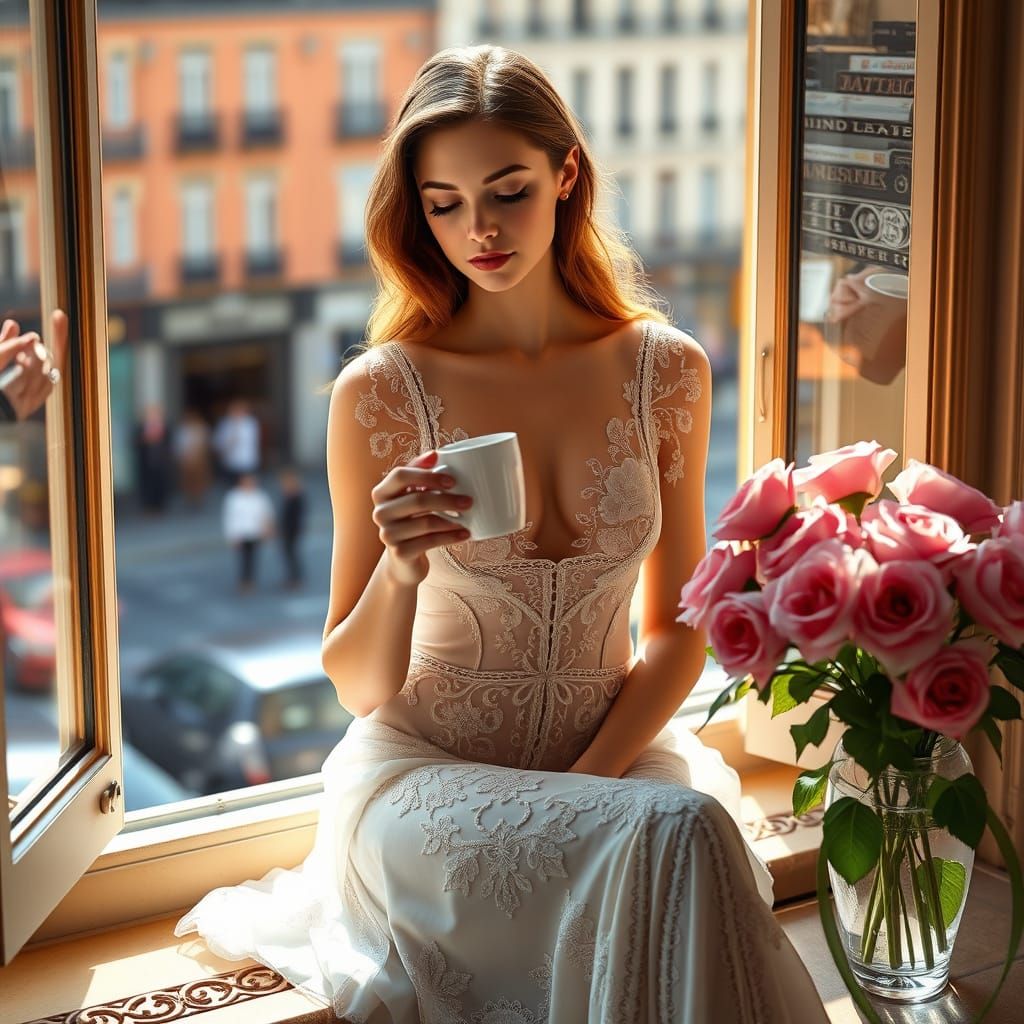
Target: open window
(58,616)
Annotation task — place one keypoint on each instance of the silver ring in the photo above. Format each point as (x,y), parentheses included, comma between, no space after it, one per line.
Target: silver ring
(54,375)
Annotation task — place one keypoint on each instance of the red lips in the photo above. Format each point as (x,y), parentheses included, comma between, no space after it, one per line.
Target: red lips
(490,261)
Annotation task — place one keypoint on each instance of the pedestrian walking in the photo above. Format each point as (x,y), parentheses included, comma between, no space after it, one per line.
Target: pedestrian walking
(248,520)
(293,521)
(236,439)
(153,460)
(192,452)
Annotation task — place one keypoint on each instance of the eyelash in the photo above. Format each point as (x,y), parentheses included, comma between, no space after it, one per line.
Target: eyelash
(440,211)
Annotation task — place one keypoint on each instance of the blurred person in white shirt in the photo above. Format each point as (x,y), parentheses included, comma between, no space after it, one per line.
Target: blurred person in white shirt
(248,519)
(237,441)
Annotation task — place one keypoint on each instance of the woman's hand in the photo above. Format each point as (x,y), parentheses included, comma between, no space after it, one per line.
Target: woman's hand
(402,505)
(33,384)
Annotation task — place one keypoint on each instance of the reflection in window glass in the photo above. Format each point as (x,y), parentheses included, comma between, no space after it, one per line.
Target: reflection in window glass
(249,157)
(41,706)
(855,225)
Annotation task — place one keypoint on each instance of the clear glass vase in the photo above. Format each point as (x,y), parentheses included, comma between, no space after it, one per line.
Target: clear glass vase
(899,922)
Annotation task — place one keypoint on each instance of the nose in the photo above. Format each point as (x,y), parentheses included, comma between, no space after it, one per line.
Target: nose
(480,226)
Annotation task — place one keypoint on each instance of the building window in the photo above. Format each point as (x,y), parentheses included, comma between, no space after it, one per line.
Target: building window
(670,14)
(260,215)
(707,206)
(260,80)
(10,100)
(709,98)
(362,112)
(535,18)
(195,83)
(581,16)
(581,97)
(199,263)
(667,212)
(624,203)
(668,88)
(353,188)
(122,236)
(13,267)
(119,90)
(711,14)
(627,16)
(624,81)
(487,24)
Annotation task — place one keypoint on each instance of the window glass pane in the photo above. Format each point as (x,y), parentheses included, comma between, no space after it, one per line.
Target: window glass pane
(249,177)
(48,717)
(855,225)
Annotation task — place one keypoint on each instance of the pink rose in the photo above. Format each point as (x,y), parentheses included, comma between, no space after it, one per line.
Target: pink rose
(757,508)
(896,532)
(721,571)
(990,585)
(742,638)
(949,692)
(812,604)
(904,614)
(800,532)
(1012,524)
(922,484)
(852,469)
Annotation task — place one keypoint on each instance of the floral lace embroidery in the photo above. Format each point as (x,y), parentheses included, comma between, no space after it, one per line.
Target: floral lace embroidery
(437,988)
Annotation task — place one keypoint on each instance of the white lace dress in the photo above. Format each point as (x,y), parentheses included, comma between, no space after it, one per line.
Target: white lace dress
(460,874)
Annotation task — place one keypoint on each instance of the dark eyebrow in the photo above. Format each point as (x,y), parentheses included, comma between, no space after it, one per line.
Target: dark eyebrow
(487,181)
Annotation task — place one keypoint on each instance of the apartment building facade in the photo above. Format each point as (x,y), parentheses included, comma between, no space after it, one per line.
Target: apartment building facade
(660,87)
(239,139)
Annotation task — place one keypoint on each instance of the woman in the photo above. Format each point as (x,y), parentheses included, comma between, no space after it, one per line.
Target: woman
(509,831)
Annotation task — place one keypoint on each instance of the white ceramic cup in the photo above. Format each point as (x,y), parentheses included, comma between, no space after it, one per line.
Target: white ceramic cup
(896,286)
(489,469)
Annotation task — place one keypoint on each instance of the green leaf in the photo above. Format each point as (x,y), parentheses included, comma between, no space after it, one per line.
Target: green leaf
(846,659)
(878,690)
(1002,704)
(1005,844)
(988,726)
(710,652)
(854,503)
(835,943)
(952,878)
(874,752)
(851,838)
(866,664)
(803,685)
(959,805)
(811,731)
(850,707)
(782,699)
(735,691)
(1012,664)
(809,789)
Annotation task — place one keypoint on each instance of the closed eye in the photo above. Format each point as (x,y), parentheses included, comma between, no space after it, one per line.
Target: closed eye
(440,211)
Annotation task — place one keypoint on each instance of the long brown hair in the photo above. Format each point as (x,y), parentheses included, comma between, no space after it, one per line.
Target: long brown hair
(419,289)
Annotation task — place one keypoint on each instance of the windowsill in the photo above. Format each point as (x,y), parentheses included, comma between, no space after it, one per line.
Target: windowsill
(127,960)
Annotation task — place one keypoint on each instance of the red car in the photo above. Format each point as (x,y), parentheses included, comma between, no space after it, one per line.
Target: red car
(26,610)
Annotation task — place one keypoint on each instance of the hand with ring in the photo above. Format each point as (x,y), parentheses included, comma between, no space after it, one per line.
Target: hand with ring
(28,369)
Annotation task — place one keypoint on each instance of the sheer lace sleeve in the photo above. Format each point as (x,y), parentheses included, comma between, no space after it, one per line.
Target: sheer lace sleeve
(675,386)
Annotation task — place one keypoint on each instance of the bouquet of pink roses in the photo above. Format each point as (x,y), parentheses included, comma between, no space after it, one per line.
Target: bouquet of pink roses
(897,612)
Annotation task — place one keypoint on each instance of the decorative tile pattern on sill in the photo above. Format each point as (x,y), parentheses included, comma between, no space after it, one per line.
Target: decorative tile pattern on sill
(179,1001)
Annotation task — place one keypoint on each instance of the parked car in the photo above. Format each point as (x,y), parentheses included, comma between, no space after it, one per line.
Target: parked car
(33,744)
(235,712)
(26,612)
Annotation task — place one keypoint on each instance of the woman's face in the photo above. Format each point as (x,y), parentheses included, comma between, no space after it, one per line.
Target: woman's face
(486,189)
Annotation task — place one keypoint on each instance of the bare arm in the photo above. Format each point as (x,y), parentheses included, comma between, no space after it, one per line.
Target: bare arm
(382,528)
(670,655)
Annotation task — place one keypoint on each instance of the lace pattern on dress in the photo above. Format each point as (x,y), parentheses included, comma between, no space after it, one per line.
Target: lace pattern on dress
(541,617)
(529,842)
